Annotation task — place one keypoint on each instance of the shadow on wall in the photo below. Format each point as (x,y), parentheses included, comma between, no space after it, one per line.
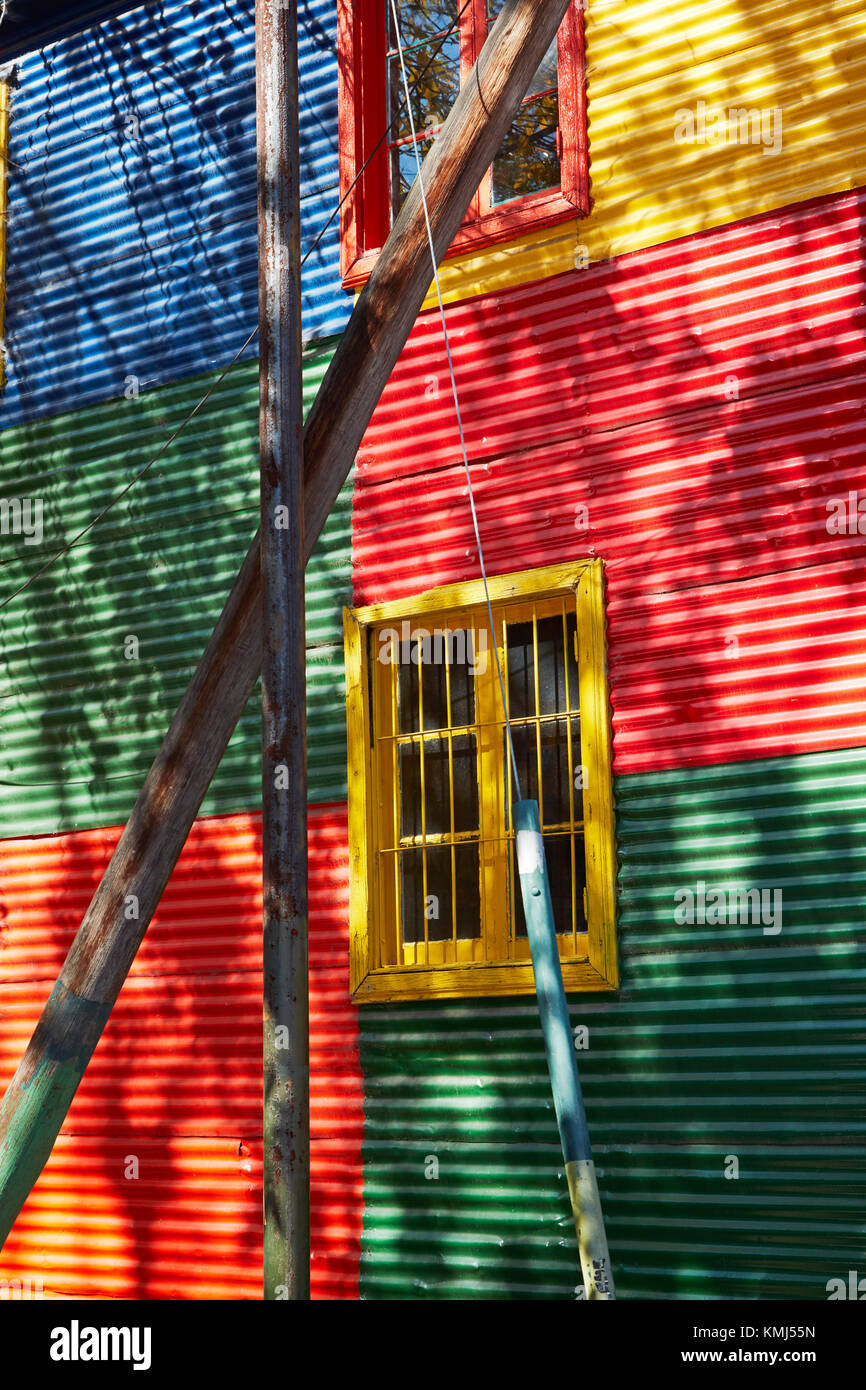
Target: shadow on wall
(703,405)
(154,1187)
(132,237)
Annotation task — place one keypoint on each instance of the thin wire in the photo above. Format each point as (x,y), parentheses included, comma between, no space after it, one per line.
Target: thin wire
(120,495)
(456,398)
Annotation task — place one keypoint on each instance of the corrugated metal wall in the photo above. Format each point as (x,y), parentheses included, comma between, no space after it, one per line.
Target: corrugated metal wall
(649,60)
(176,1078)
(81,721)
(132,217)
(721,1042)
(132,282)
(686,413)
(762,309)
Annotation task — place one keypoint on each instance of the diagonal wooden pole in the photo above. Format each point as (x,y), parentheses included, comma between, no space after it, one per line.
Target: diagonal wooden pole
(104,948)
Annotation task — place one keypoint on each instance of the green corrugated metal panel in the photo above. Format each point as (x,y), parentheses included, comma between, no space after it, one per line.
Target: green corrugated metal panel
(189,519)
(722,1041)
(80,762)
(80,721)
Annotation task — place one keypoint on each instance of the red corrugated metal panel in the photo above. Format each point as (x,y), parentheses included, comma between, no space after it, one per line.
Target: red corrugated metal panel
(778,301)
(188,1227)
(736,621)
(762,664)
(722,494)
(772,666)
(181,1057)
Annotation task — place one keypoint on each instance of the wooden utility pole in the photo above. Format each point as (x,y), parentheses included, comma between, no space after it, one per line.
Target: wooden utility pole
(286,1044)
(104,948)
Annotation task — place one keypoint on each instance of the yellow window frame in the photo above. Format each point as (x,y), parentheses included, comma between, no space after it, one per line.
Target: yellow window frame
(4,183)
(382,967)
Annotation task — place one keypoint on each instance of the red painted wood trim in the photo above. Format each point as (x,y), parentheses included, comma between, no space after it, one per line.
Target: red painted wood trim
(364,222)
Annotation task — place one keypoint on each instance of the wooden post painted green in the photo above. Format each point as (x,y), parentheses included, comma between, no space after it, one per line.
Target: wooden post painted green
(68,1031)
(561,1061)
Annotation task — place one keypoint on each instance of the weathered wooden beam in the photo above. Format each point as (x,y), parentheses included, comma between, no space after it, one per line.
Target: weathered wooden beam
(285,997)
(104,948)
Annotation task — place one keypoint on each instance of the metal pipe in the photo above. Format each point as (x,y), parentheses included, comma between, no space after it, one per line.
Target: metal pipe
(561,1061)
(286,1048)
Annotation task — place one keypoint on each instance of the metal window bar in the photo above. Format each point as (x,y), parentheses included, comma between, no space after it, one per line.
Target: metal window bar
(451,791)
(568,725)
(452,839)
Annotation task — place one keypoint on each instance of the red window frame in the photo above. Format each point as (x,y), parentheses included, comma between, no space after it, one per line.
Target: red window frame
(365,216)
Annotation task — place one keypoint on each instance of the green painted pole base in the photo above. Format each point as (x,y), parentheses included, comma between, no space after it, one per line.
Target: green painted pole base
(561,1061)
(41,1093)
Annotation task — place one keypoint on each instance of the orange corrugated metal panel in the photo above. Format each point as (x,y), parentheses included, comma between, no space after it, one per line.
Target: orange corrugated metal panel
(188,1227)
(181,1060)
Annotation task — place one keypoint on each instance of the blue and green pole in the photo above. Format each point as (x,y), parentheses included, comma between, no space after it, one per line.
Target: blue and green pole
(561,1061)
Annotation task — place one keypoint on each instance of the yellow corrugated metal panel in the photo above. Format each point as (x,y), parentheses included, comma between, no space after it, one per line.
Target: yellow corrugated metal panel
(649,61)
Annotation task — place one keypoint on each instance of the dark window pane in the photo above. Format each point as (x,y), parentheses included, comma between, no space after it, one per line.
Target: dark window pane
(555,655)
(437,906)
(557,852)
(528,161)
(434,649)
(554,772)
(466,654)
(555,805)
(412,895)
(436,786)
(465,782)
(410,789)
(526,757)
(520,671)
(468,891)
(433,682)
(407,678)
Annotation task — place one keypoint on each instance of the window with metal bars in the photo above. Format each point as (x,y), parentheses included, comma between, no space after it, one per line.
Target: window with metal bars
(436,905)
(540,175)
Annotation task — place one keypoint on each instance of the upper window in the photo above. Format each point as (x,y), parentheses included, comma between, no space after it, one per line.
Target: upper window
(436,904)
(539,175)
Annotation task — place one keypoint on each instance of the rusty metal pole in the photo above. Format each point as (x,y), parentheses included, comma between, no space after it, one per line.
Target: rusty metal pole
(284,753)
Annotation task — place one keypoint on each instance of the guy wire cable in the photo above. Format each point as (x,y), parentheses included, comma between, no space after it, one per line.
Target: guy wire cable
(399,42)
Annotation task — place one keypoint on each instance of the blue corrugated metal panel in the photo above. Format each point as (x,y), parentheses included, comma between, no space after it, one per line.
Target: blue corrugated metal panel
(132,233)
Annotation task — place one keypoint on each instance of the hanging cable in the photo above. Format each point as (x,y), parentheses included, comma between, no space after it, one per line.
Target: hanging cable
(399,43)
